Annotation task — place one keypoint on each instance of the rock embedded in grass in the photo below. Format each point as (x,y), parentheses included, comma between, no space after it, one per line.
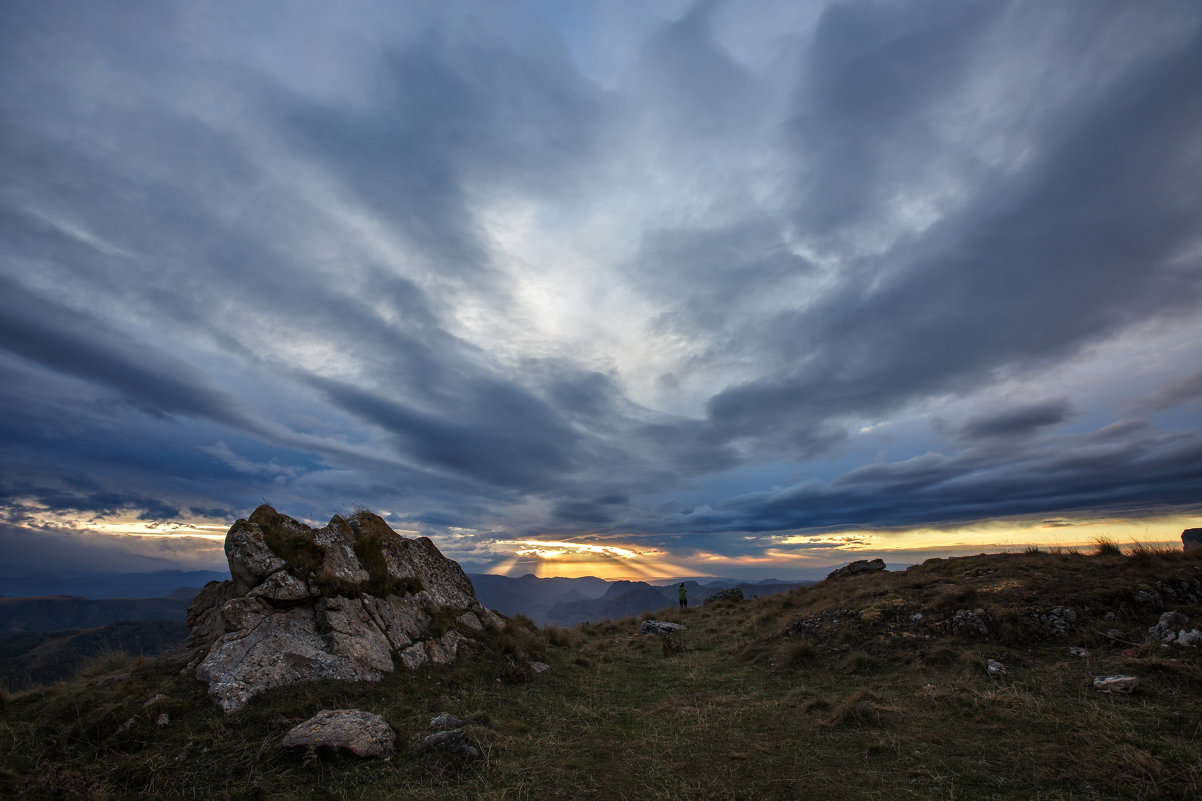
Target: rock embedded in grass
(1119,685)
(660,627)
(349,601)
(354,731)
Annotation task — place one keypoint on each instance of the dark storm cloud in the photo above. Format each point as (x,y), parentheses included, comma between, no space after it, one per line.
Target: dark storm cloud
(73,342)
(1018,421)
(498,434)
(869,81)
(417,257)
(1126,468)
(1067,252)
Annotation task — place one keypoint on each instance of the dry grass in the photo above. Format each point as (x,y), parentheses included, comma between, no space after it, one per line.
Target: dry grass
(868,705)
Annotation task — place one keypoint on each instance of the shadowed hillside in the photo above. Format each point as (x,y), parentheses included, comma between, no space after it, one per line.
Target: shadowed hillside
(871,686)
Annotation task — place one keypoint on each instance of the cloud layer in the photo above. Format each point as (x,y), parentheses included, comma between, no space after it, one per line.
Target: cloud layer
(705,276)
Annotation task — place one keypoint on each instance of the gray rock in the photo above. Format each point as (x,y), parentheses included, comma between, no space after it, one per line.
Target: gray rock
(1078,652)
(660,627)
(333,612)
(995,668)
(205,622)
(1123,685)
(250,560)
(1191,539)
(539,667)
(469,620)
(352,730)
(446,722)
(861,566)
(1191,639)
(162,721)
(1059,621)
(969,623)
(728,594)
(455,741)
(1167,628)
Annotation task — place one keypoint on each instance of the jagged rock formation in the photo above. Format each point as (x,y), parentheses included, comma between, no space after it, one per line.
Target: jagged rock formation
(862,566)
(348,601)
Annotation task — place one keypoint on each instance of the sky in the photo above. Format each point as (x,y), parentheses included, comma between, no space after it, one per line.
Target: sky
(636,288)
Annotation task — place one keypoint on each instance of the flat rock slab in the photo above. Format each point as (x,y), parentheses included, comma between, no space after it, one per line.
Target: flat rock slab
(363,734)
(1122,685)
(660,627)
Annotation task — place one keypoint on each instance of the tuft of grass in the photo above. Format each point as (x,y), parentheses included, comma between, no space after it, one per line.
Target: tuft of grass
(1104,546)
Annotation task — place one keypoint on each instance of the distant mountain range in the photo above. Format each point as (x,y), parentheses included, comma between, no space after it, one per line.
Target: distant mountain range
(108,585)
(35,657)
(48,637)
(569,601)
(57,613)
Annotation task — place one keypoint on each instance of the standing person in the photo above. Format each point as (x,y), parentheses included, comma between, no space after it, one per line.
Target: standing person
(682,592)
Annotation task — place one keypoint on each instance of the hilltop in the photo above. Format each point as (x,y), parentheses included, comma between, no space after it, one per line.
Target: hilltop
(870,686)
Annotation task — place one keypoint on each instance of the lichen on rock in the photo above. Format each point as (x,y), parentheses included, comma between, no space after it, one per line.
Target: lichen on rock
(350,601)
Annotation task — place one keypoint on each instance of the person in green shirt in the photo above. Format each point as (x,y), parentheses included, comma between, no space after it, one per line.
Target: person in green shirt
(682,592)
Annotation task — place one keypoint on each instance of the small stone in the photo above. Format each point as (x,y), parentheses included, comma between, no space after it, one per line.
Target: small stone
(127,725)
(162,720)
(154,700)
(452,742)
(446,722)
(539,667)
(995,668)
(363,734)
(1078,652)
(916,617)
(1122,685)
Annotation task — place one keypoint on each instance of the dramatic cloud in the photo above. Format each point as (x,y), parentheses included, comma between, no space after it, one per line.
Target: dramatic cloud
(706,279)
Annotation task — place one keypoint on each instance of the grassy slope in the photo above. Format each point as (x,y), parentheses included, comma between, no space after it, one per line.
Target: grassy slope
(868,706)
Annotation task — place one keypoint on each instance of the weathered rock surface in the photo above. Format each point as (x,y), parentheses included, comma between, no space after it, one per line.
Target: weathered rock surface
(1122,685)
(347,601)
(862,566)
(728,594)
(1059,621)
(1170,630)
(363,734)
(660,627)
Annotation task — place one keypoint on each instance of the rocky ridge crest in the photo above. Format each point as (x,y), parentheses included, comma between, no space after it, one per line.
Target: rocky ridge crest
(352,600)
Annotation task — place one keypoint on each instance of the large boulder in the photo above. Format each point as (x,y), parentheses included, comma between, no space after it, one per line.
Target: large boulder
(348,601)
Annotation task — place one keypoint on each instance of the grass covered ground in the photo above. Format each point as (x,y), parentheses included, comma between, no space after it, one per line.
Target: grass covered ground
(833,691)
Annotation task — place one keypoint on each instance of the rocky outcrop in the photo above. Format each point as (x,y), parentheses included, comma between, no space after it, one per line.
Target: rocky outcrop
(363,734)
(862,566)
(1191,539)
(348,601)
(728,594)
